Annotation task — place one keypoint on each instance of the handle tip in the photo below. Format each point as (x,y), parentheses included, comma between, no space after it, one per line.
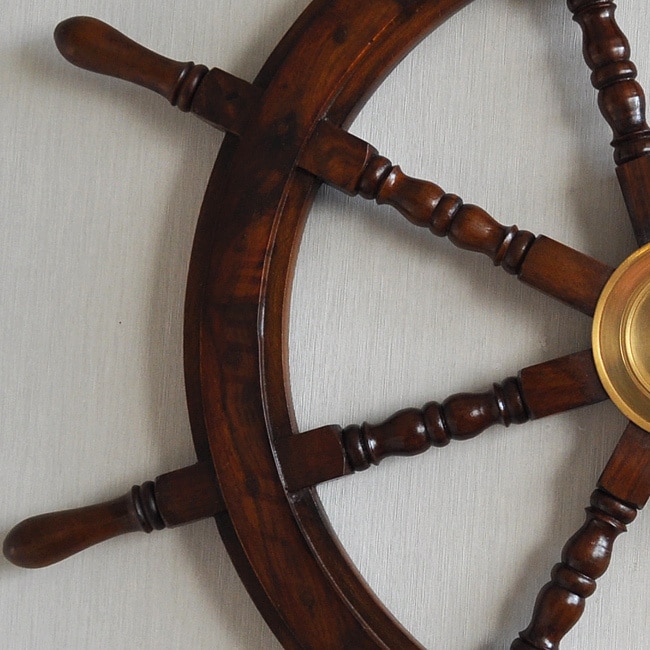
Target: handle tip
(17,548)
(70,33)
(49,538)
(175,498)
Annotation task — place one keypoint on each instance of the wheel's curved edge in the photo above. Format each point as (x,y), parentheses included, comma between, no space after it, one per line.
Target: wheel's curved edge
(235,320)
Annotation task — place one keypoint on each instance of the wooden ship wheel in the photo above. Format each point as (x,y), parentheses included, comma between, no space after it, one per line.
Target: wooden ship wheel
(255,472)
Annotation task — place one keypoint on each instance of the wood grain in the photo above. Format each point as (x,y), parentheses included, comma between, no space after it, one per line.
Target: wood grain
(623,488)
(173,499)
(541,390)
(317,533)
(354,166)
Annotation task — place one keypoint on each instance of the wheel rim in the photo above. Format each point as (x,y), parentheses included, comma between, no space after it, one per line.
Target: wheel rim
(222,328)
(238,297)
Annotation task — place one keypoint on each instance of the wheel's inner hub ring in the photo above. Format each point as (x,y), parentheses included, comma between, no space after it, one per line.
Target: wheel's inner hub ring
(620,337)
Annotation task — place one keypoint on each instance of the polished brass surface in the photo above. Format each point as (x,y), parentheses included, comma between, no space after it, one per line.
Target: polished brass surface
(620,337)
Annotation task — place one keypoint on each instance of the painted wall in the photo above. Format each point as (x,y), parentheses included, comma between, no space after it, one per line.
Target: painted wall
(101,184)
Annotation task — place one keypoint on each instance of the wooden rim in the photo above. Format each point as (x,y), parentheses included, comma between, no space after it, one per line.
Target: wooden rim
(239,283)
(288,131)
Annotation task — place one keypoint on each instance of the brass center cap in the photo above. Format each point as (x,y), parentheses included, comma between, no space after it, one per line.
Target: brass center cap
(621,337)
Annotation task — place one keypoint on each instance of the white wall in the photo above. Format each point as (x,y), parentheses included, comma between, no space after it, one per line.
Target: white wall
(101,185)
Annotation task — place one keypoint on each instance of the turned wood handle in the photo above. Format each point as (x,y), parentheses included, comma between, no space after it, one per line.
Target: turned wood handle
(173,499)
(93,45)
(585,558)
(355,167)
(620,97)
(623,489)
(46,539)
(544,389)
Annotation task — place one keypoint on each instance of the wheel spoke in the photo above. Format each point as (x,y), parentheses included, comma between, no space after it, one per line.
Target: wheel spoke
(221,99)
(353,166)
(634,179)
(622,103)
(565,274)
(623,488)
(540,390)
(561,385)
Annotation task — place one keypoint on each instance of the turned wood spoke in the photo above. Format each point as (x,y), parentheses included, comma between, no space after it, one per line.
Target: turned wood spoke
(634,178)
(354,166)
(236,421)
(620,97)
(621,101)
(312,457)
(221,99)
(540,390)
(345,162)
(173,499)
(623,489)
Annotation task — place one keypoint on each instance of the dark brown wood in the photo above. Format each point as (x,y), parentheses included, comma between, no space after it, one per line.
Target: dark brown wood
(187,495)
(622,102)
(330,452)
(564,273)
(342,160)
(623,488)
(627,474)
(585,558)
(561,385)
(225,101)
(242,265)
(620,96)
(175,498)
(312,457)
(544,389)
(236,341)
(49,538)
(354,166)
(288,134)
(634,178)
(412,431)
(93,45)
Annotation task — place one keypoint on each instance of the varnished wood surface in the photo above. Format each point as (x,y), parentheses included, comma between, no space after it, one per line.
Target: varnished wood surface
(92,44)
(632,177)
(355,167)
(173,499)
(623,488)
(229,338)
(620,97)
(228,303)
(541,390)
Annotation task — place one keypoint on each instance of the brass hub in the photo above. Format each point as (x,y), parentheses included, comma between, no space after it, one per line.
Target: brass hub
(620,337)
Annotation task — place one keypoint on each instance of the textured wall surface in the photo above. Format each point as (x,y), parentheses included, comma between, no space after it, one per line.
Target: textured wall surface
(101,184)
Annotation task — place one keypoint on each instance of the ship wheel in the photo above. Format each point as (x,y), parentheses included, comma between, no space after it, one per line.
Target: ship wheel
(255,473)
